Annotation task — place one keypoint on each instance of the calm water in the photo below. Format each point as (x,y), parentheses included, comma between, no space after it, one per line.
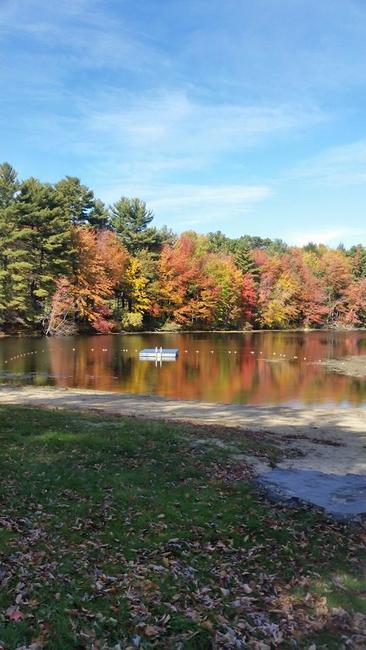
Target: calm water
(248,368)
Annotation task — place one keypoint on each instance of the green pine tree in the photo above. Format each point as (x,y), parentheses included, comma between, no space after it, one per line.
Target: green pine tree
(80,204)
(130,218)
(9,186)
(244,261)
(40,250)
(358,259)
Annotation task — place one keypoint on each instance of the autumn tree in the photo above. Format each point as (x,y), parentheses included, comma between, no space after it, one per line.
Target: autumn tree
(61,317)
(354,304)
(228,281)
(87,292)
(67,263)
(336,272)
(114,260)
(137,302)
(187,292)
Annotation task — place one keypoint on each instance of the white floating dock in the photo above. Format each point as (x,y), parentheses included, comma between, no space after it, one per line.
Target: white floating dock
(159,354)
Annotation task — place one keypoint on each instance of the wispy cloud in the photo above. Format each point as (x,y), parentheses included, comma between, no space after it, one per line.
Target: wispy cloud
(202,205)
(341,165)
(195,108)
(79,34)
(175,117)
(174,135)
(148,140)
(152,139)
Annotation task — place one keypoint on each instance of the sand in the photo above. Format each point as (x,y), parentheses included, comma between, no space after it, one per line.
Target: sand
(332,440)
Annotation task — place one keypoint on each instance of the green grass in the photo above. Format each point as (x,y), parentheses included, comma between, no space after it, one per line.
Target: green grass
(116,531)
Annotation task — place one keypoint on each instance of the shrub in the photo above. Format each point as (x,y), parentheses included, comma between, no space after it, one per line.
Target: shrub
(132,320)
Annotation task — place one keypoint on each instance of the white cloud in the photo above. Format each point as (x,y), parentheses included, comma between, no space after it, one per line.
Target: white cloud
(330,236)
(193,195)
(176,119)
(185,205)
(169,148)
(203,205)
(341,165)
(156,141)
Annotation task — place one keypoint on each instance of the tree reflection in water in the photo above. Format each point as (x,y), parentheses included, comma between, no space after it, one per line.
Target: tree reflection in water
(249,368)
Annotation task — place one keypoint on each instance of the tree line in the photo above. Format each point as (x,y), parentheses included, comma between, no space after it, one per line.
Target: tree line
(68,263)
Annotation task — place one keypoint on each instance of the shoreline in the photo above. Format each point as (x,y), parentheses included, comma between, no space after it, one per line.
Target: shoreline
(299,330)
(308,434)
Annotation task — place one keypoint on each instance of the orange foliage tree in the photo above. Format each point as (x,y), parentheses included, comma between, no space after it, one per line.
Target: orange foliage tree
(187,294)
(98,267)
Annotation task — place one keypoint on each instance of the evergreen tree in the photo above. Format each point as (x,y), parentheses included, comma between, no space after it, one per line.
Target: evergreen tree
(219,243)
(80,204)
(40,251)
(245,262)
(166,236)
(358,259)
(98,217)
(130,218)
(9,185)
(239,249)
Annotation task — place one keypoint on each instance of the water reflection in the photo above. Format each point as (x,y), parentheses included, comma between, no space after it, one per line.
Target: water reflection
(250,368)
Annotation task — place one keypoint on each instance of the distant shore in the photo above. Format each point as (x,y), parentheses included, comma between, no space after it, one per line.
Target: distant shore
(181,331)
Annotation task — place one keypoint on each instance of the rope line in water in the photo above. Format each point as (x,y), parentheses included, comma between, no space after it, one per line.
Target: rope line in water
(252,352)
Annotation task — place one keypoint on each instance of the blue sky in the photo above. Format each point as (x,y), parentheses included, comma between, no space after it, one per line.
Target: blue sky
(246,116)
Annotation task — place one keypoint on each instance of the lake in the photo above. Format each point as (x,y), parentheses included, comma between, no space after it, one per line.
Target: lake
(266,368)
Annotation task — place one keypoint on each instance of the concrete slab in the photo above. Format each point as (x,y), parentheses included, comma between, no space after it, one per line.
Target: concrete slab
(341,496)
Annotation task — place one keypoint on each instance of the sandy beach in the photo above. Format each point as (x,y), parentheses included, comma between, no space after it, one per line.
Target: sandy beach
(330,440)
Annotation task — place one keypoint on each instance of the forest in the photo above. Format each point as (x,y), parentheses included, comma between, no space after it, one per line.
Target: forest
(70,264)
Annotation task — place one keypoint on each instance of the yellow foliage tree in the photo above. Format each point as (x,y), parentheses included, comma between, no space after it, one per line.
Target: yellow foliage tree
(136,287)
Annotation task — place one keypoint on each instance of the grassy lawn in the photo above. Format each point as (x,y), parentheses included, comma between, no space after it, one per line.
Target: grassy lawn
(121,533)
